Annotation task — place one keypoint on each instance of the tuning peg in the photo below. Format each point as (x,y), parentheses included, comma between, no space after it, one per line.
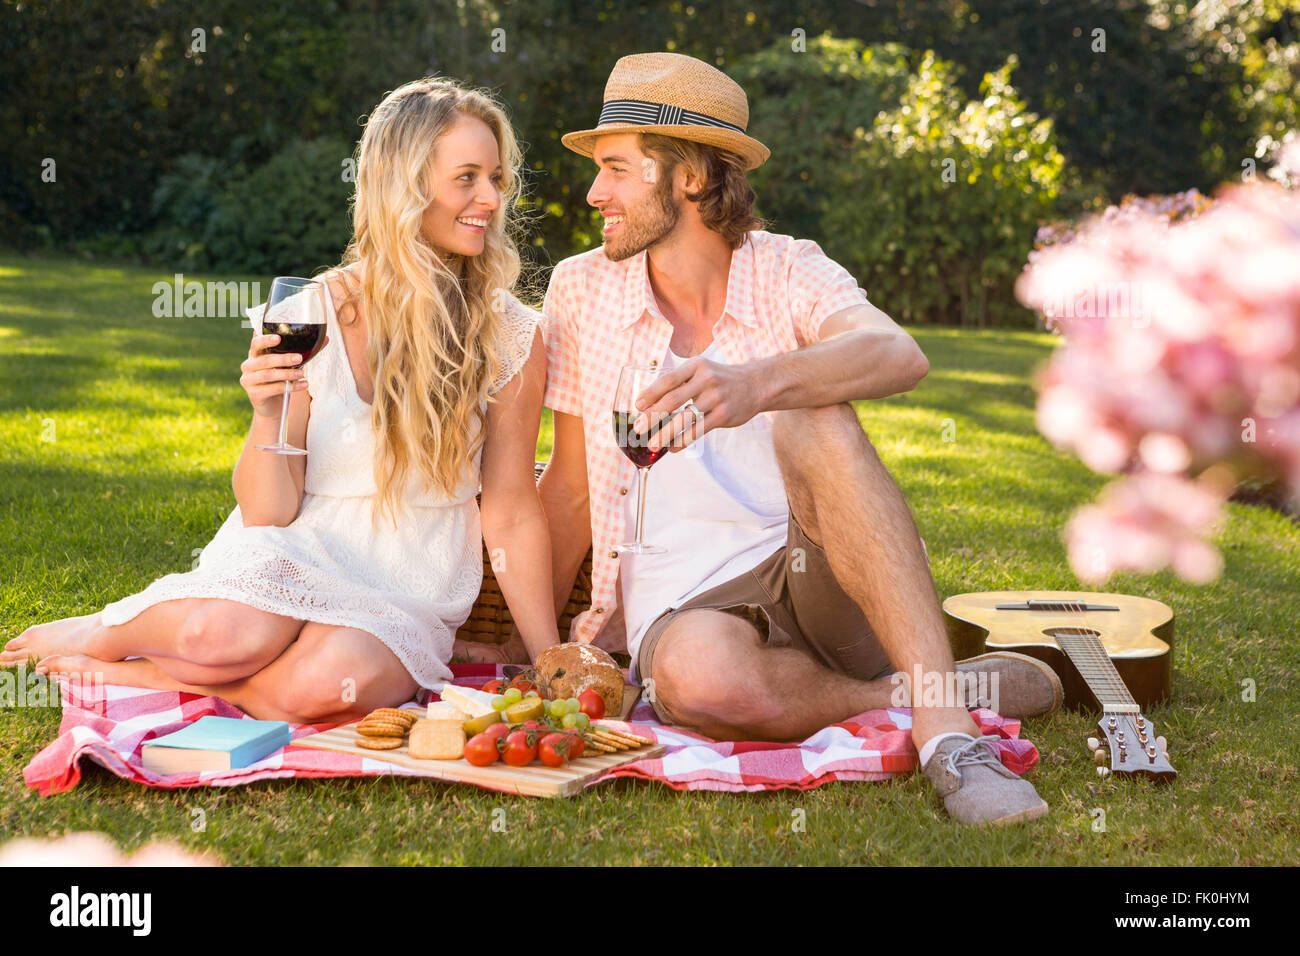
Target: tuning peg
(1162,744)
(1099,757)
(1093,743)
(1103,771)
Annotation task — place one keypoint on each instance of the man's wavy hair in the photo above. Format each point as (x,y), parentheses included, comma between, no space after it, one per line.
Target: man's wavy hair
(726,200)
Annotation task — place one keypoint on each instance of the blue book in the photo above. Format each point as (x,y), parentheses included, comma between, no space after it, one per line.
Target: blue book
(215,743)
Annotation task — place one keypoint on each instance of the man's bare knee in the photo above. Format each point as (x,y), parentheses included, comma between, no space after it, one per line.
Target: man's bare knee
(704,668)
(805,436)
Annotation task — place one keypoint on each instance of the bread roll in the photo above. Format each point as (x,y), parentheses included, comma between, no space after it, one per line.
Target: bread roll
(569,669)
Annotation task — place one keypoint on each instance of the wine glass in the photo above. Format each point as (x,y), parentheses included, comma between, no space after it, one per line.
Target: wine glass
(299,319)
(632,381)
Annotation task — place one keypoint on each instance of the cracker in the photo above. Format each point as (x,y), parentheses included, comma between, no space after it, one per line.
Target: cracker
(372,729)
(379,743)
(437,740)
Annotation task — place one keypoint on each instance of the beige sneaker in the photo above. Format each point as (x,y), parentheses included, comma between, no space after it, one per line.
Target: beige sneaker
(976,788)
(1013,685)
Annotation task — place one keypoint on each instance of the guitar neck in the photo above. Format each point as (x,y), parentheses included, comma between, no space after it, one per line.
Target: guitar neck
(1089,657)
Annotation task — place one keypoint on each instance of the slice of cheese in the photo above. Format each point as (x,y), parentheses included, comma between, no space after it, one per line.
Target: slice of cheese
(446,711)
(476,703)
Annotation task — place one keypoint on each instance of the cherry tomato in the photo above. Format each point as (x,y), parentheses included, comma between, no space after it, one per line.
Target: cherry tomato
(577,747)
(482,750)
(554,750)
(591,704)
(524,685)
(520,749)
(494,686)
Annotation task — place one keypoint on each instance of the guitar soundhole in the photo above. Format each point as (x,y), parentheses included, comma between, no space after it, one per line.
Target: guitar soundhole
(1071,632)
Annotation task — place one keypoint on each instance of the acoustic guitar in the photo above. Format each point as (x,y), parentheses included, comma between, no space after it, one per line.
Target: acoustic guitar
(1111,652)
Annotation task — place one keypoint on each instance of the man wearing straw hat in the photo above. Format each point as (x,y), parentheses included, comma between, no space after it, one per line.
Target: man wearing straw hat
(781,532)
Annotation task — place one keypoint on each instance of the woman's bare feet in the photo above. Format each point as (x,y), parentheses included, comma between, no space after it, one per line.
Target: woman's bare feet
(71,635)
(134,673)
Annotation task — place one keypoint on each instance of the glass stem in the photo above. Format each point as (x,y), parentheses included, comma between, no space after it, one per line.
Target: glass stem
(284,412)
(640,501)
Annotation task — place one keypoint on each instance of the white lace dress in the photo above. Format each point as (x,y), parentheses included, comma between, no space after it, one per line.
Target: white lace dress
(411,587)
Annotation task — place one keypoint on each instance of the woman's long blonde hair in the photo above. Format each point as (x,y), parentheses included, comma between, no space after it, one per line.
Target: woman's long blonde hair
(432,321)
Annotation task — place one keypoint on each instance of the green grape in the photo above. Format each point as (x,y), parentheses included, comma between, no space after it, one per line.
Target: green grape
(513,695)
(570,721)
(532,693)
(499,702)
(582,719)
(574,706)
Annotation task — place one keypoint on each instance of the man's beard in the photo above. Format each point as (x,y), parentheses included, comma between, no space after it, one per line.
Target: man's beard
(660,219)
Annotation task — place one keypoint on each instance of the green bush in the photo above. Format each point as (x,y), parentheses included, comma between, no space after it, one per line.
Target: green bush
(805,108)
(290,215)
(930,201)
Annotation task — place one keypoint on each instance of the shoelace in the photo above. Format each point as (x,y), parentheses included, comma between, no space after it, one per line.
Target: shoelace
(971,753)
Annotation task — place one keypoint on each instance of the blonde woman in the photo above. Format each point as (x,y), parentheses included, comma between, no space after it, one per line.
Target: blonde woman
(337,584)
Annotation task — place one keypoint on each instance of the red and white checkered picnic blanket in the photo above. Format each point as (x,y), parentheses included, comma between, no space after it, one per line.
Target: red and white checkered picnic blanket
(111,728)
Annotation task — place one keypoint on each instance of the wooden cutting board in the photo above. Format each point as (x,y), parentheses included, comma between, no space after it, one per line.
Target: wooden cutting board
(535,780)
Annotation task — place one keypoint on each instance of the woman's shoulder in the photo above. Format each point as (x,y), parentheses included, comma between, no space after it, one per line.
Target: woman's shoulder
(515,309)
(515,337)
(344,285)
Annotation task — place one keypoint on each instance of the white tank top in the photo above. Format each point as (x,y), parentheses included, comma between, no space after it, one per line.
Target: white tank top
(719,508)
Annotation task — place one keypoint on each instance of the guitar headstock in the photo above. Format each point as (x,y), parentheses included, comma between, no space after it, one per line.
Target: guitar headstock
(1133,747)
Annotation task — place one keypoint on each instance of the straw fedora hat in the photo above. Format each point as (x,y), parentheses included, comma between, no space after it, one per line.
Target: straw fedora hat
(674,95)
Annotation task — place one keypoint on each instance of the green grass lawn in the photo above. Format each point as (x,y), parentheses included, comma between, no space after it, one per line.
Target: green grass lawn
(118,433)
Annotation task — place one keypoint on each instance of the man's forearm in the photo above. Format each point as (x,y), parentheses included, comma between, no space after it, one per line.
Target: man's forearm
(857,364)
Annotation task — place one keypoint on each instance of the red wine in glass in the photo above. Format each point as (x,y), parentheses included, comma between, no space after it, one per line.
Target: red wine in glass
(632,382)
(295,311)
(303,338)
(636,446)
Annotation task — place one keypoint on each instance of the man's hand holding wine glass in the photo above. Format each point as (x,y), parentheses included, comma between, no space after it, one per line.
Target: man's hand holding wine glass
(725,396)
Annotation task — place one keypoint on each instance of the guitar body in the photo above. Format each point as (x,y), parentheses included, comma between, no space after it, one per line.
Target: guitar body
(1138,636)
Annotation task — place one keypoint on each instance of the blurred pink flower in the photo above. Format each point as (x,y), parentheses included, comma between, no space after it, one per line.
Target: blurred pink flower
(1181,357)
(90,849)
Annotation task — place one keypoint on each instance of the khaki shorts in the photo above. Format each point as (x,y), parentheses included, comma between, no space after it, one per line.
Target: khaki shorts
(793,599)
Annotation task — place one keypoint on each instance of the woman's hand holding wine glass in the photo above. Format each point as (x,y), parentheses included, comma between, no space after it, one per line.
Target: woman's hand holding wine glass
(293,330)
(264,375)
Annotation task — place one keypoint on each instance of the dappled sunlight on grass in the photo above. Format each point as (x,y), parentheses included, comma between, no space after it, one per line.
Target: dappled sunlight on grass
(981,378)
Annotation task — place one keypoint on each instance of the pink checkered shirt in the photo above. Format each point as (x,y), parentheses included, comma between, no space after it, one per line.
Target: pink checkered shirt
(601,315)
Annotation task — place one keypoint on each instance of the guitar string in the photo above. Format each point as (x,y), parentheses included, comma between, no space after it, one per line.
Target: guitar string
(1094,655)
(1143,741)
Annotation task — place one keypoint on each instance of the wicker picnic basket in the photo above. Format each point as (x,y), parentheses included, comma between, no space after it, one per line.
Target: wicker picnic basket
(490,621)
